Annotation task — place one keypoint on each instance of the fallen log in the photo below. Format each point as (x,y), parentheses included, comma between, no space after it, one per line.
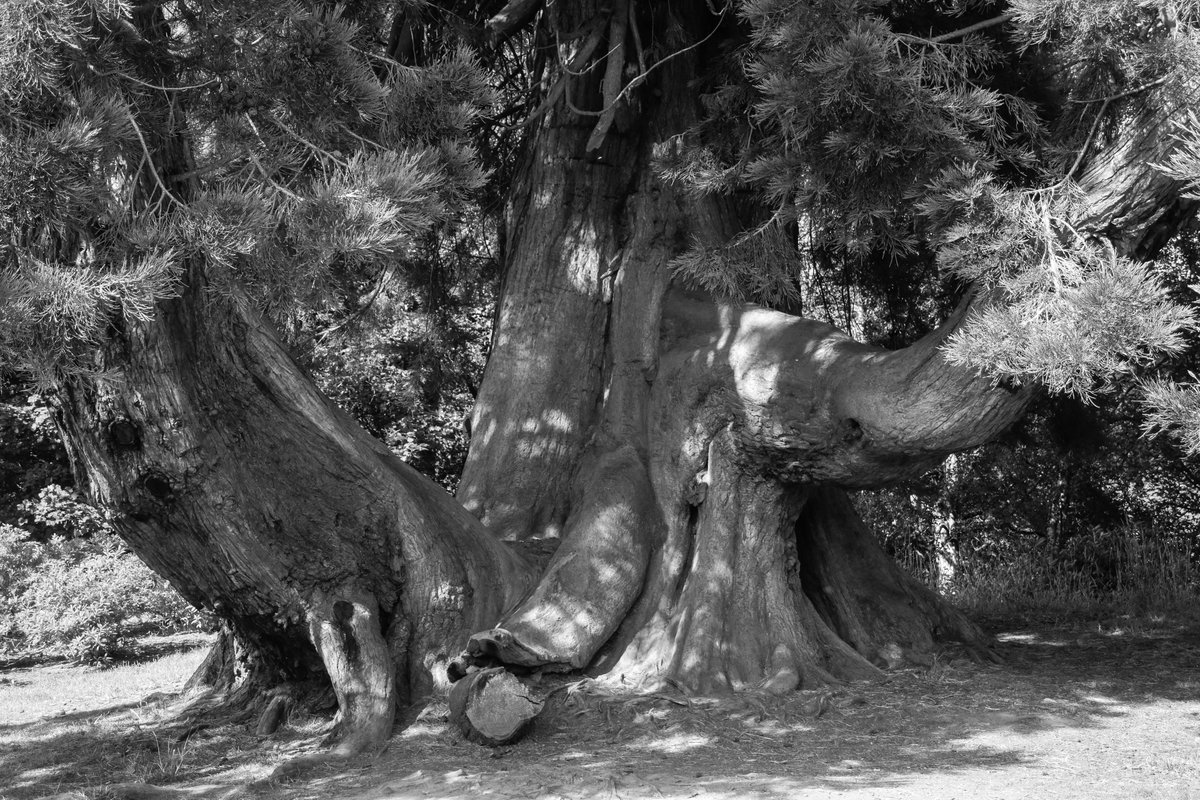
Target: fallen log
(492,707)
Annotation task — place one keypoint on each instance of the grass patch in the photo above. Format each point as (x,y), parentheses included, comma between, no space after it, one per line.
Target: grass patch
(31,694)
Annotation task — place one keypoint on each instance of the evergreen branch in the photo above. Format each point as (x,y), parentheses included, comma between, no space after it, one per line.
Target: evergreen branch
(263,171)
(149,160)
(344,128)
(198,171)
(978,26)
(315,148)
(1127,93)
(1087,142)
(383,280)
(120,74)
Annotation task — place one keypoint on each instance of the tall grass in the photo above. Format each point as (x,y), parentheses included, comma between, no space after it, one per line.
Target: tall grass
(1128,570)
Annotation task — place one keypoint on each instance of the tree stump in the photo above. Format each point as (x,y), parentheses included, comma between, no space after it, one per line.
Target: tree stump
(492,707)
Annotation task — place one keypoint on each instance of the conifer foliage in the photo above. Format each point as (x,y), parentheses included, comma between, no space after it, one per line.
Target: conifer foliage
(311,162)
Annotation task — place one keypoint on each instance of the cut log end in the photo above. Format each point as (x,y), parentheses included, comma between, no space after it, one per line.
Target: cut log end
(493,708)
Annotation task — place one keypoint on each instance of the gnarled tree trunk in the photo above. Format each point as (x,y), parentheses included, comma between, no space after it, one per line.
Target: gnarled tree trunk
(693,456)
(234,478)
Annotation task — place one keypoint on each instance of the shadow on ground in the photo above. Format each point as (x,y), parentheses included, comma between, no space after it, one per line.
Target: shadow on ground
(1070,711)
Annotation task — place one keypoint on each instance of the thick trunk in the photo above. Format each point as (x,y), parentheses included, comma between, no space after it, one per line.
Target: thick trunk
(328,559)
(673,442)
(233,477)
(537,404)
(693,455)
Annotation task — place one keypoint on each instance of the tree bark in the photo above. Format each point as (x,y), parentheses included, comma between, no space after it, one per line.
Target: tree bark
(691,456)
(728,435)
(492,707)
(327,557)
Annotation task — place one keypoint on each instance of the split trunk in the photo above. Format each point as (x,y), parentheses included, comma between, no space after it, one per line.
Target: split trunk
(690,459)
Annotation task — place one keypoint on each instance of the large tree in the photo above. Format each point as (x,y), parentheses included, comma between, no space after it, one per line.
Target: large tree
(185,181)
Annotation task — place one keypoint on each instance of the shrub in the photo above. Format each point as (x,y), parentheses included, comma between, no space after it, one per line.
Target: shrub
(86,599)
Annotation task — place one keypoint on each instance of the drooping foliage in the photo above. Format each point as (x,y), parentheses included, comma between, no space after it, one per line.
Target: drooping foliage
(948,140)
(305,164)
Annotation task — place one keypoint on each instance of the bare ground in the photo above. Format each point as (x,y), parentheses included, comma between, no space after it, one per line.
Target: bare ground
(1095,711)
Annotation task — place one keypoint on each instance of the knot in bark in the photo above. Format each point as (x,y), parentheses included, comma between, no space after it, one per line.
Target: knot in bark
(123,434)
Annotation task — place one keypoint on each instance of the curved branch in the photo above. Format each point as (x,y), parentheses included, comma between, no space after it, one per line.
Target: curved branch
(809,404)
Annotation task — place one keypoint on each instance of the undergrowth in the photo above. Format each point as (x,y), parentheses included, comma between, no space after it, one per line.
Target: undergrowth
(1128,570)
(85,599)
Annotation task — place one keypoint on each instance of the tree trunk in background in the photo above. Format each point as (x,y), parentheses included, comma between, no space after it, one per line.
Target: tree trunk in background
(942,555)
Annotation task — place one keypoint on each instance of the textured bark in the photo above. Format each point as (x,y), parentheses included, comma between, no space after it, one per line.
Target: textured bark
(1130,202)
(692,456)
(748,424)
(234,478)
(536,403)
(591,582)
(328,559)
(862,593)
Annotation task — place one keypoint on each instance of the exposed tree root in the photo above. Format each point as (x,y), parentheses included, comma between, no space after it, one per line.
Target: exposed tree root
(299,767)
(347,633)
(592,580)
(231,686)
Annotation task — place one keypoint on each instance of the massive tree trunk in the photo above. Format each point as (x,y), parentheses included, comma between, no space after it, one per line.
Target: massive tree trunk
(233,477)
(693,456)
(327,558)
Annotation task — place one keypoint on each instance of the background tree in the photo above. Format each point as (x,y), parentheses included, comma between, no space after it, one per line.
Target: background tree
(178,173)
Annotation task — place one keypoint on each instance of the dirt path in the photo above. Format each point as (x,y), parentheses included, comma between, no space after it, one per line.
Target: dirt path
(1071,714)
(1083,713)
